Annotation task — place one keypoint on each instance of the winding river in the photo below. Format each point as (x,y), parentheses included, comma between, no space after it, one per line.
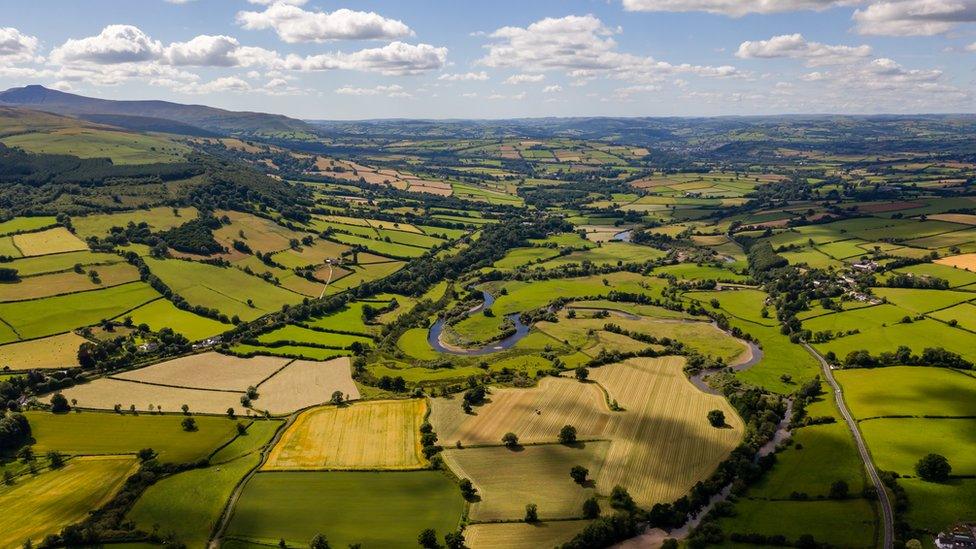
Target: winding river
(435,332)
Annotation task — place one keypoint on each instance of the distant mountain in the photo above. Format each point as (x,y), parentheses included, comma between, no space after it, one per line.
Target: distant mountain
(152,115)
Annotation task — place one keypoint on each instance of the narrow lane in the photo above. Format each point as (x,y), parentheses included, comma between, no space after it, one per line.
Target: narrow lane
(883,499)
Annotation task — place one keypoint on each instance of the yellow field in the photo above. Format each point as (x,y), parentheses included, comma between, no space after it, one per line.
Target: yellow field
(965,219)
(662,442)
(67,282)
(209,371)
(535,415)
(37,506)
(51,241)
(262,235)
(104,393)
(305,383)
(365,435)
(519,535)
(964,261)
(60,351)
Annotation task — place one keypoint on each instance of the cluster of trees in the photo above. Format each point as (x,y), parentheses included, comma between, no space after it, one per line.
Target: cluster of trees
(762,259)
(901,280)
(937,357)
(15,431)
(195,236)
(8,275)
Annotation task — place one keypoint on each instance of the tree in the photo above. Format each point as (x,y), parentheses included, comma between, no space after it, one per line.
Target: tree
(337,397)
(26,455)
(510,439)
(531,513)
(146,454)
(567,435)
(839,490)
(582,373)
(591,508)
(468,491)
(185,408)
(189,424)
(231,414)
(59,404)
(282,544)
(716,418)
(428,538)
(55,459)
(579,473)
(454,540)
(319,542)
(620,498)
(933,468)
(241,429)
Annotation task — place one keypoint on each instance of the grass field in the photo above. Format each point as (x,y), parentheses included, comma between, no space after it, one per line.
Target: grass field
(54,315)
(414,343)
(58,351)
(375,509)
(41,505)
(362,435)
(225,289)
(158,219)
(50,241)
(7,248)
(162,313)
(347,319)
(908,390)
(935,506)
(260,234)
(507,480)
(305,383)
(86,142)
(519,535)
(46,285)
(23,224)
(896,445)
(108,433)
(609,253)
(208,371)
(301,335)
(30,266)
(189,504)
(390,249)
(849,523)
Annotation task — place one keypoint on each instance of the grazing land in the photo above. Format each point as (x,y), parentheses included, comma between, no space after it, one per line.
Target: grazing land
(60,351)
(50,241)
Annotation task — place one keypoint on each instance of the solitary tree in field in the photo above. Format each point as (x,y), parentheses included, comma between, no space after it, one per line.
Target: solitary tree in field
(319,542)
(185,408)
(428,539)
(189,424)
(231,414)
(591,508)
(933,468)
(620,498)
(55,459)
(59,404)
(468,491)
(531,513)
(454,540)
(337,398)
(582,373)
(716,418)
(567,435)
(579,473)
(839,490)
(510,440)
(146,454)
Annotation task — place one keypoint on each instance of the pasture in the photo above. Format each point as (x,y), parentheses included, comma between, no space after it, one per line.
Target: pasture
(934,506)
(375,509)
(208,371)
(347,319)
(90,142)
(362,435)
(59,351)
(51,241)
(317,338)
(26,224)
(508,480)
(66,282)
(161,313)
(896,443)
(908,390)
(109,433)
(30,266)
(44,504)
(158,219)
(848,523)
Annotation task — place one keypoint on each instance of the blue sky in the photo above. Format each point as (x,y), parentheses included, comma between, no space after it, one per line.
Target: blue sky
(493,59)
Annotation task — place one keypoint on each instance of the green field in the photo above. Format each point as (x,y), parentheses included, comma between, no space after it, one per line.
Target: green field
(849,523)
(413,342)
(54,315)
(381,247)
(897,444)
(302,335)
(25,224)
(109,433)
(518,257)
(935,506)
(375,509)
(42,264)
(348,319)
(161,313)
(908,390)
(120,147)
(158,219)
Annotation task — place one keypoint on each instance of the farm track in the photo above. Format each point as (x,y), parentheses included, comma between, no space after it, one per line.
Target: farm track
(883,499)
(228,512)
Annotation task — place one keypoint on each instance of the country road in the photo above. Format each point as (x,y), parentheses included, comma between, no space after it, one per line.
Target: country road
(886,513)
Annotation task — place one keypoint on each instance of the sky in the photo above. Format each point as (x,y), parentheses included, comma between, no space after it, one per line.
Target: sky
(322,59)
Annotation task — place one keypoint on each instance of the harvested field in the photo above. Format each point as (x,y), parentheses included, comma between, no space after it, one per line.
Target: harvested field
(519,535)
(508,480)
(104,393)
(260,234)
(51,241)
(208,371)
(964,219)
(962,261)
(362,435)
(60,351)
(68,282)
(306,383)
(44,504)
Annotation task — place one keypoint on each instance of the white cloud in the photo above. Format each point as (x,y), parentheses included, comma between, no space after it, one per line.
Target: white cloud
(464,77)
(15,46)
(914,17)
(294,24)
(396,58)
(626,92)
(735,8)
(269,2)
(523,78)
(797,47)
(971,47)
(470,95)
(204,50)
(115,44)
(582,46)
(555,88)
(394,90)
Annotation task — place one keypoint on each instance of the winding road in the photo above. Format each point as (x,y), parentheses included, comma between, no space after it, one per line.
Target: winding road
(883,499)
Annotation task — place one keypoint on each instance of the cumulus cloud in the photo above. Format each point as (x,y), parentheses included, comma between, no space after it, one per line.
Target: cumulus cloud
(582,46)
(115,44)
(523,78)
(464,77)
(555,88)
(269,2)
(295,24)
(395,58)
(971,47)
(735,8)
(797,47)
(15,46)
(390,91)
(914,17)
